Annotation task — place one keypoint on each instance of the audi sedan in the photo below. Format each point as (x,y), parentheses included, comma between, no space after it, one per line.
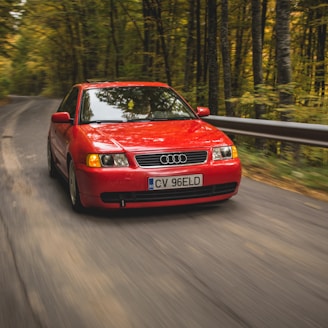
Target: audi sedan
(138,144)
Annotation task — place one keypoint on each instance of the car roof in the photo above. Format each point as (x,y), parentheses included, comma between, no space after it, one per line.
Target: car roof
(106,84)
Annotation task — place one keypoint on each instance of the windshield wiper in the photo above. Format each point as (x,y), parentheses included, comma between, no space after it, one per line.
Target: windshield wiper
(140,120)
(181,118)
(172,119)
(103,121)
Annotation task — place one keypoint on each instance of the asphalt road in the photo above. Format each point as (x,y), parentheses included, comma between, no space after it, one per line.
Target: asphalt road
(258,260)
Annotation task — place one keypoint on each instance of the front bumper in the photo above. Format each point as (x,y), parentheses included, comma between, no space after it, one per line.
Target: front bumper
(128,187)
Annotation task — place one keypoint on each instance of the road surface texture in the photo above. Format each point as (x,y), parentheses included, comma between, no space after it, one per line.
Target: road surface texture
(258,260)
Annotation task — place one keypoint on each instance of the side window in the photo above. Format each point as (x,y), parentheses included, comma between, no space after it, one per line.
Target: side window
(69,103)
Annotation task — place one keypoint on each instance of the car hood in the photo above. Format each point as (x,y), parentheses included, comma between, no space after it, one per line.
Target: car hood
(146,136)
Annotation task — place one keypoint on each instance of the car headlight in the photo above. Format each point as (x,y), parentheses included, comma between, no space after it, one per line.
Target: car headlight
(224,152)
(107,160)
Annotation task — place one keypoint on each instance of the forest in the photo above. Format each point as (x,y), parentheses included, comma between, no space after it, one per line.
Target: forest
(257,59)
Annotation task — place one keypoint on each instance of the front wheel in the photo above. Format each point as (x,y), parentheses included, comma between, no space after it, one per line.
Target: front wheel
(73,188)
(51,164)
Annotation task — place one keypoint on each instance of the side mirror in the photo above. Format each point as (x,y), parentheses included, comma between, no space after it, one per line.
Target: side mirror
(202,111)
(61,117)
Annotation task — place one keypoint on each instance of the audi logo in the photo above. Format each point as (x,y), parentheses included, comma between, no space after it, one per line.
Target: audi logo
(173,159)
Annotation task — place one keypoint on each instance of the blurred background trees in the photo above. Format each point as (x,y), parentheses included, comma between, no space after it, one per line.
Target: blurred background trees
(259,58)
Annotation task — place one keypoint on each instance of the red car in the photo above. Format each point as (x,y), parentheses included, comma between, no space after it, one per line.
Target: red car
(138,144)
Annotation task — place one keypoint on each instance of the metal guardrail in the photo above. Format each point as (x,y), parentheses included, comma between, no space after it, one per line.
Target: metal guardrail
(303,133)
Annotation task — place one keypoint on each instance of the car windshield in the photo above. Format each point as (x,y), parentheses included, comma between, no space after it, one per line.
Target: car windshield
(135,103)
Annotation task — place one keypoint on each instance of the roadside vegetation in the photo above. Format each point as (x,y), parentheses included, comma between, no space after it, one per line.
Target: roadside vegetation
(291,174)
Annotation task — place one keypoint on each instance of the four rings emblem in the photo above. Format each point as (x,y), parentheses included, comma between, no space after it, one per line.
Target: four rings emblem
(173,159)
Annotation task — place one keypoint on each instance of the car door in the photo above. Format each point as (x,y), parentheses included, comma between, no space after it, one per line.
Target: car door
(61,132)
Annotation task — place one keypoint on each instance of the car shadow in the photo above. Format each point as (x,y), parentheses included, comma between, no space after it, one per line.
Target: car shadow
(156,214)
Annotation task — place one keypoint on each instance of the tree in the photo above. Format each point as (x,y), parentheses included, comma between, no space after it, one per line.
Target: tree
(226,62)
(161,33)
(284,73)
(257,52)
(190,49)
(213,67)
(239,56)
(148,44)
(263,17)
(112,32)
(152,10)
(201,67)
(321,12)
(10,11)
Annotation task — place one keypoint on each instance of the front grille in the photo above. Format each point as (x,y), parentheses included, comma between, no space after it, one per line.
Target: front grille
(169,194)
(154,160)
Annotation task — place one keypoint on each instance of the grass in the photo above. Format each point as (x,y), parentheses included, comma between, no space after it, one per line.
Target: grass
(305,179)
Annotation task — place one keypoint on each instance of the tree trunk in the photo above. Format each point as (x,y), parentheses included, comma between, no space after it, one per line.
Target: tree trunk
(147,67)
(199,62)
(320,62)
(160,30)
(69,26)
(241,46)
(190,50)
(213,79)
(284,76)
(306,51)
(225,49)
(257,53)
(114,40)
(263,18)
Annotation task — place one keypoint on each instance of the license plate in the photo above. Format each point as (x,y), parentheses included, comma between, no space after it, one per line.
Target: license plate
(174,182)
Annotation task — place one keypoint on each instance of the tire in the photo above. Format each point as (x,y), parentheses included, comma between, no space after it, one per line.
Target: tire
(52,170)
(74,189)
